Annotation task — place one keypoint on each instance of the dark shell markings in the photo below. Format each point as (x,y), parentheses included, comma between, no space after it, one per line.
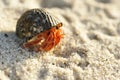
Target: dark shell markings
(35,21)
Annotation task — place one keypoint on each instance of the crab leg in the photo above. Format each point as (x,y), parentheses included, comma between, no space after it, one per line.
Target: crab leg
(49,42)
(50,46)
(52,40)
(58,36)
(33,42)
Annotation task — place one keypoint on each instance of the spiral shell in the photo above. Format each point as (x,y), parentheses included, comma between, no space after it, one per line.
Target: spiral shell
(35,21)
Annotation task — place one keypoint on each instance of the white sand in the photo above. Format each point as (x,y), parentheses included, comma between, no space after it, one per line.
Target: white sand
(90,49)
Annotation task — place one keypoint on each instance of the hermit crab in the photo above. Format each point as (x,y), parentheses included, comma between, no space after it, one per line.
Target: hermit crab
(40,29)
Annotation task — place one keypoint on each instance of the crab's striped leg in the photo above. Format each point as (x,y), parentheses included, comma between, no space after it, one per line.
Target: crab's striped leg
(48,43)
(33,41)
(52,39)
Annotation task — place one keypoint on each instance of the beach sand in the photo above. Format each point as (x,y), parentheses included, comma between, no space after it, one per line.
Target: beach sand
(90,49)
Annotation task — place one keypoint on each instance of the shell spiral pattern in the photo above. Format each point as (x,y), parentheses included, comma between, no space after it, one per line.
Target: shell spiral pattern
(35,21)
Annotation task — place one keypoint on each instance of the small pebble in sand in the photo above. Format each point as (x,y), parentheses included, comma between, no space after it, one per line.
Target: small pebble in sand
(6,35)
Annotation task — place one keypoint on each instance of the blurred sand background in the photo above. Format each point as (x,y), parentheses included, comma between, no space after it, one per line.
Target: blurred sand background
(90,49)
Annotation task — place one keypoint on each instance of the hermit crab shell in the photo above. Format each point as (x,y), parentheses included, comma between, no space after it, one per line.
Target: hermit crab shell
(35,21)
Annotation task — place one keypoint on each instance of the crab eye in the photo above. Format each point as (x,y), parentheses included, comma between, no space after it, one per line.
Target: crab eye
(57,27)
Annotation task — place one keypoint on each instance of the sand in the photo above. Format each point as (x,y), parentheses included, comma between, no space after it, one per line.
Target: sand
(90,49)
